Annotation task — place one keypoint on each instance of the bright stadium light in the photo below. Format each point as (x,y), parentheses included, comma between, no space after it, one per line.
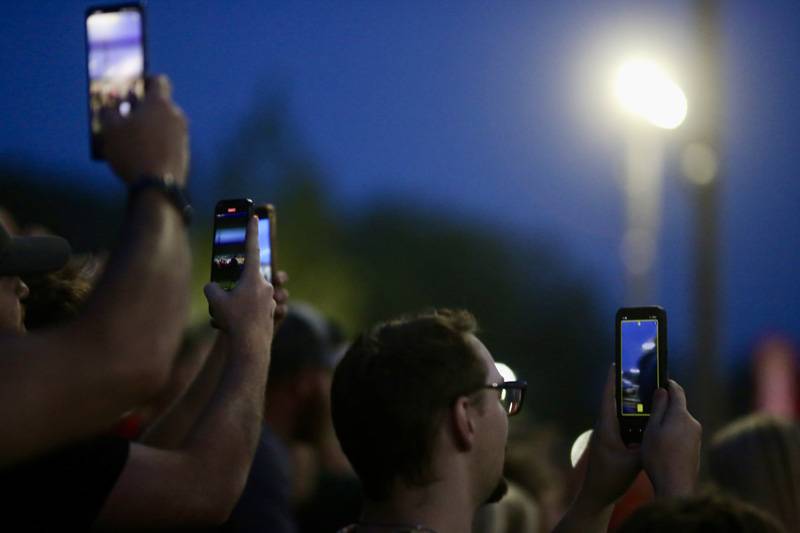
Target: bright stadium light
(644,90)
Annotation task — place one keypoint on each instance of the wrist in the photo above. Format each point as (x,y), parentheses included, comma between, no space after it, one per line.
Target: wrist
(586,514)
(168,187)
(588,503)
(249,341)
(674,488)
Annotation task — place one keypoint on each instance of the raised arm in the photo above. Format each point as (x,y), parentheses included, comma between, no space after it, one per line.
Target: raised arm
(611,469)
(200,483)
(118,353)
(670,454)
(172,427)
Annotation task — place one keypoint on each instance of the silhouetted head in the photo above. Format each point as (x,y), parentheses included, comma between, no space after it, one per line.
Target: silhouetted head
(757,459)
(413,392)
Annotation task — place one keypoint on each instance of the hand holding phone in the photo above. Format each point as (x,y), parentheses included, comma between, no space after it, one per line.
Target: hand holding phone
(641,366)
(671,444)
(609,465)
(152,141)
(246,311)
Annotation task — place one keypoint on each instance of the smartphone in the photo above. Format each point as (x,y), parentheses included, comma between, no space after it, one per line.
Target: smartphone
(116,64)
(641,366)
(228,250)
(267,228)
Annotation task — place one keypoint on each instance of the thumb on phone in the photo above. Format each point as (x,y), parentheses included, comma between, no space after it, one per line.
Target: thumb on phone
(252,261)
(660,404)
(214,293)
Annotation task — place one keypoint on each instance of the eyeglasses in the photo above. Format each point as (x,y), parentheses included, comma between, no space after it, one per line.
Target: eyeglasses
(512,394)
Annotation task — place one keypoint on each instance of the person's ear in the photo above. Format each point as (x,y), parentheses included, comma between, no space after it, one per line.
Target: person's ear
(463,423)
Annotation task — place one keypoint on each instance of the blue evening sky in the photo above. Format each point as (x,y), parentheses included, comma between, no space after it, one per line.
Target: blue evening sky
(490,111)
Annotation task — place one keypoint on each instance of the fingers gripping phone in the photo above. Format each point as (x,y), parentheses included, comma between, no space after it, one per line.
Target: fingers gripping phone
(228,249)
(116,64)
(641,366)
(267,229)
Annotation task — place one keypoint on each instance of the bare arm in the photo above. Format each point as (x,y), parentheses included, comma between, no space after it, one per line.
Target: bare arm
(670,453)
(171,429)
(611,469)
(585,515)
(118,352)
(200,483)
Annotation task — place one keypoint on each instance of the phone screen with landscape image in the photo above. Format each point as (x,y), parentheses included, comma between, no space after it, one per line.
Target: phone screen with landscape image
(639,368)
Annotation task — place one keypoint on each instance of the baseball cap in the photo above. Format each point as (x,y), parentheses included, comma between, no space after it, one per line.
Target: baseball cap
(30,255)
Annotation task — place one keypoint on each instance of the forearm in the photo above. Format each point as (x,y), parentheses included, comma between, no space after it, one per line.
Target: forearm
(113,356)
(199,484)
(226,435)
(171,429)
(139,307)
(585,516)
(674,488)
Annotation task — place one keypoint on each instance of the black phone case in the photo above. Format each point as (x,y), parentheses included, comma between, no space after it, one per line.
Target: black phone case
(221,205)
(632,428)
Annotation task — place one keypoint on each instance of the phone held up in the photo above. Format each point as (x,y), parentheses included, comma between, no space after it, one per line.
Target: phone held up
(116,63)
(228,249)
(267,229)
(641,366)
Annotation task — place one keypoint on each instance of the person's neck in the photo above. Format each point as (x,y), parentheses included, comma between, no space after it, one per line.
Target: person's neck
(440,507)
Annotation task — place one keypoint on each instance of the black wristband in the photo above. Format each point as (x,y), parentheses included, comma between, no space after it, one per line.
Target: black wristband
(174,193)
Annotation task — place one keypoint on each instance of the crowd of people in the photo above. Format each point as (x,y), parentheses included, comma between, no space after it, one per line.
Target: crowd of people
(268,419)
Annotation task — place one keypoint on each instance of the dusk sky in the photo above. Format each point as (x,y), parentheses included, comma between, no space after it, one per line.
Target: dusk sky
(497,112)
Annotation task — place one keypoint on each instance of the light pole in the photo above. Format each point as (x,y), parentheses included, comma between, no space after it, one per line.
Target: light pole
(703,167)
(646,93)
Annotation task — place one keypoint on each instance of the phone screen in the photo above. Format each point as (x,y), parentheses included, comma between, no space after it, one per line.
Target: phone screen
(115,62)
(266,247)
(228,255)
(639,366)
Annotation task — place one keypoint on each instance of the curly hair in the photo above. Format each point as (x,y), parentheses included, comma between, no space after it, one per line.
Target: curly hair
(58,296)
